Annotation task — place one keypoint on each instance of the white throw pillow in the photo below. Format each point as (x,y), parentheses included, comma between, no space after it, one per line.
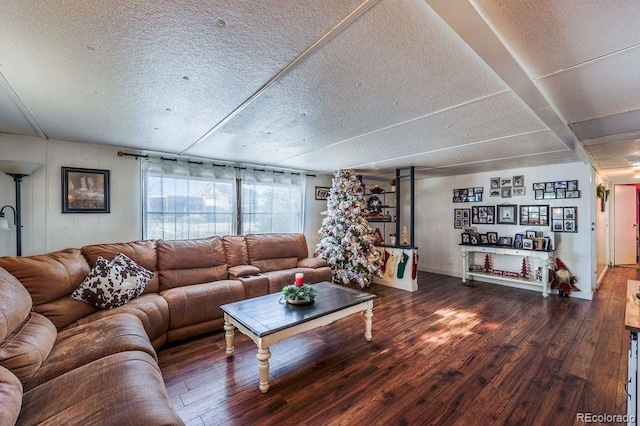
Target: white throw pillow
(113,283)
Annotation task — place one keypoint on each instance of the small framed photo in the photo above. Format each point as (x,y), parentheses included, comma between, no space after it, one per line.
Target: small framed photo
(561,193)
(518,181)
(507,214)
(322,192)
(527,244)
(530,234)
(495,183)
(493,237)
(474,239)
(505,182)
(561,184)
(572,194)
(484,239)
(459,217)
(494,192)
(85,190)
(557,213)
(572,185)
(570,226)
(518,191)
(538,186)
(505,241)
(506,191)
(517,241)
(539,194)
(466,238)
(557,225)
(569,213)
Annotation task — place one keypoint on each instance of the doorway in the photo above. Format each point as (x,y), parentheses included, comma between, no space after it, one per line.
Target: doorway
(625,224)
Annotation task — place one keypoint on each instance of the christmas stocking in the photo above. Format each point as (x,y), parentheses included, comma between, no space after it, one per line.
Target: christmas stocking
(414,270)
(402,264)
(385,257)
(391,267)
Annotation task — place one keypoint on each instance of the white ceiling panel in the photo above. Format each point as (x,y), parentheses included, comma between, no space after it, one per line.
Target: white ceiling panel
(613,163)
(395,63)
(154,75)
(11,118)
(629,149)
(551,35)
(599,89)
(611,139)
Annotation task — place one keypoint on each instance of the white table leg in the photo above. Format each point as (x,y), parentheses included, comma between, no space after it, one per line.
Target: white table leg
(368,314)
(229,336)
(263,366)
(546,263)
(465,265)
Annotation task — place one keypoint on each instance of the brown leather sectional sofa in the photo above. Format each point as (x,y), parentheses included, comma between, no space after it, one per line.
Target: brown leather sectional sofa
(63,361)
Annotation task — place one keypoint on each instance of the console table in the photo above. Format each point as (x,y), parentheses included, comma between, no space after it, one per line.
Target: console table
(544,258)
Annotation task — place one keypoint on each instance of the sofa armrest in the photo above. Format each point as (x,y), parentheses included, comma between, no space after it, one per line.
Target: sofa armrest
(242,270)
(311,262)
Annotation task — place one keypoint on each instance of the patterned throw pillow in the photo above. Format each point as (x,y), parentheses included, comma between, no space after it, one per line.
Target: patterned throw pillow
(113,283)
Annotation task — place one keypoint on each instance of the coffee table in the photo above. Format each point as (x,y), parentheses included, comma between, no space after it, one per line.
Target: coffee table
(267,321)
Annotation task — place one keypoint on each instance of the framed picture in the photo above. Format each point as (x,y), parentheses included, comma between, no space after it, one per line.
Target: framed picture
(322,192)
(505,241)
(85,190)
(474,239)
(539,194)
(483,215)
(506,191)
(493,237)
(538,186)
(459,216)
(518,191)
(517,241)
(467,195)
(507,214)
(537,215)
(518,181)
(494,192)
(527,244)
(505,182)
(557,225)
(572,185)
(466,238)
(484,239)
(495,183)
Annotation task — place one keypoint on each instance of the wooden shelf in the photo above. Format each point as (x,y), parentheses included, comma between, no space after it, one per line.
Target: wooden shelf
(503,278)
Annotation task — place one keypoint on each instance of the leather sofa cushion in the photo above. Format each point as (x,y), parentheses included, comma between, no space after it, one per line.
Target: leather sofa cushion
(10,397)
(49,276)
(121,389)
(201,302)
(142,252)
(235,249)
(86,343)
(151,309)
(243,271)
(64,311)
(187,262)
(15,303)
(273,246)
(26,349)
(311,262)
(279,264)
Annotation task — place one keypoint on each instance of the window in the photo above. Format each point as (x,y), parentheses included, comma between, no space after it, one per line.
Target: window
(271,207)
(196,202)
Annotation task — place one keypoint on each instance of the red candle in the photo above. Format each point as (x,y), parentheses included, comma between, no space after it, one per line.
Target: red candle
(299,279)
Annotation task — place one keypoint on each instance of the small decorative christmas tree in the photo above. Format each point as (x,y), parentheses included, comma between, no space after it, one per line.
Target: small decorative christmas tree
(347,242)
(487,263)
(525,269)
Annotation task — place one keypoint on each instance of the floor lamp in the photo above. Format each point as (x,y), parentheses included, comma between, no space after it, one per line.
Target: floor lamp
(17,170)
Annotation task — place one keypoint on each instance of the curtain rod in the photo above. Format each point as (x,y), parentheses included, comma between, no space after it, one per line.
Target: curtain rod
(201,164)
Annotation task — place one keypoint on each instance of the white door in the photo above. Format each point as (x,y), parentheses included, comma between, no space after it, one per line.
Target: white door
(624,223)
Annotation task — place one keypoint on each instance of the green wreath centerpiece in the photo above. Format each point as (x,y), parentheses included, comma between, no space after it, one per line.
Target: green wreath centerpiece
(296,295)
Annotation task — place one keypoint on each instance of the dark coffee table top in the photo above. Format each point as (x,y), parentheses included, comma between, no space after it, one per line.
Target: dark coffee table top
(264,315)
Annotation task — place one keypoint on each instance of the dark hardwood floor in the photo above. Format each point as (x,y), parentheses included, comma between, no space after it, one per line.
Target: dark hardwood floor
(446,354)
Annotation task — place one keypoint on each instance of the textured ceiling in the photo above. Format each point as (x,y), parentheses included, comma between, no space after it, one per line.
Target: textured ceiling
(448,86)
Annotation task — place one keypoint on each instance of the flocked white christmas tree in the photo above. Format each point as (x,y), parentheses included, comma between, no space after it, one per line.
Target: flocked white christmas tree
(346,239)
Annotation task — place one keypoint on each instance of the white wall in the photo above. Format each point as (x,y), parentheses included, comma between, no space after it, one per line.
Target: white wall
(438,240)
(45,228)
(602,230)
(313,209)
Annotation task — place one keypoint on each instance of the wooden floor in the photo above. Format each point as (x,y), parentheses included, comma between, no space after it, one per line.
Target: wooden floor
(446,354)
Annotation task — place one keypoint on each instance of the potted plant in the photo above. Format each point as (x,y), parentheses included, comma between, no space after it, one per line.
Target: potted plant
(299,294)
